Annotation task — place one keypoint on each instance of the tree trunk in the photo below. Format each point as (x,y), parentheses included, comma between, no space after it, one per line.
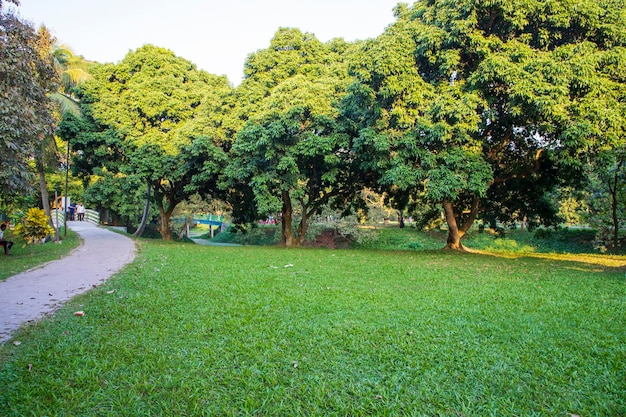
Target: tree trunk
(168,196)
(287,214)
(164,227)
(615,222)
(303,226)
(456,232)
(43,186)
(144,217)
(613,187)
(183,231)
(166,216)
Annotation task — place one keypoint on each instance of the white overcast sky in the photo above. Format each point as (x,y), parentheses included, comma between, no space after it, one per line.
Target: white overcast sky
(216,35)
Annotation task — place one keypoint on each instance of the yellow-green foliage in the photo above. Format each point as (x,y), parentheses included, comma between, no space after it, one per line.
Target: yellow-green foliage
(34,227)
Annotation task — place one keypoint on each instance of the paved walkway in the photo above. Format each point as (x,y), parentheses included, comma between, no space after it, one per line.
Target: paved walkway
(32,294)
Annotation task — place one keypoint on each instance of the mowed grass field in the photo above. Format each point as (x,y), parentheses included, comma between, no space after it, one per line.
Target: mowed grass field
(263,331)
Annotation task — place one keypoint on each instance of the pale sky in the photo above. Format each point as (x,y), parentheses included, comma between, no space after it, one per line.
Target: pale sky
(216,35)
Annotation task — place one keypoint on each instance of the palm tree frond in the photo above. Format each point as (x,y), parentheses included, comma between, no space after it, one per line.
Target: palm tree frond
(66,104)
(77,75)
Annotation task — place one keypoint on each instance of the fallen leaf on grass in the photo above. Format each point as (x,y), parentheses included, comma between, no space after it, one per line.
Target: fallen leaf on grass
(17,343)
(79,313)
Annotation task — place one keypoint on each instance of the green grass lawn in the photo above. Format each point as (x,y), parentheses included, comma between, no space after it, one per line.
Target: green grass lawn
(262,331)
(25,257)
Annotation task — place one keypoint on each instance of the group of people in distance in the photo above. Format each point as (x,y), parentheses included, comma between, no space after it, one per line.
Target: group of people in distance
(76,212)
(80,212)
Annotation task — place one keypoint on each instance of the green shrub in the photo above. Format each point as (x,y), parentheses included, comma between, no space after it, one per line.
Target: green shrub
(565,240)
(249,234)
(394,238)
(348,228)
(34,227)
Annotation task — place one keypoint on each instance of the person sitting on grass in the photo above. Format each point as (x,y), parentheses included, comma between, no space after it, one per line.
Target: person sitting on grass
(5,243)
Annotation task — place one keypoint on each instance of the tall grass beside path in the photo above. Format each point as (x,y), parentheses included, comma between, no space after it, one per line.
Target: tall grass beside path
(234,331)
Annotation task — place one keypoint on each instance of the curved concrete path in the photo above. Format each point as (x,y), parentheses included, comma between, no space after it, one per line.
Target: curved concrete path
(32,294)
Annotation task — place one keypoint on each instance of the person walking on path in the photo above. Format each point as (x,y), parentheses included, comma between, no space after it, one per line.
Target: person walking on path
(6,244)
(80,211)
(32,294)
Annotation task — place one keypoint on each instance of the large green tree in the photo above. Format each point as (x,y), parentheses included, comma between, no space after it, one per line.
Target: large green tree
(27,76)
(477,104)
(290,150)
(154,116)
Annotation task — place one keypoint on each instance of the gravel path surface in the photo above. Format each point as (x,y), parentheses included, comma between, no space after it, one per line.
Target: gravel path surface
(31,295)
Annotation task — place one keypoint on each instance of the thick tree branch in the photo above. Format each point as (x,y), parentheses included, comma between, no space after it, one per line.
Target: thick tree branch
(469,221)
(320,202)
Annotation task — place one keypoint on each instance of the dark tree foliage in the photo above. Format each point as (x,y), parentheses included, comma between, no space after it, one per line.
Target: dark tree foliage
(27,75)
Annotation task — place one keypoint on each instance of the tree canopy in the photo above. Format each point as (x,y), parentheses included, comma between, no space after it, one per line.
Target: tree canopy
(466,103)
(153,116)
(482,109)
(27,76)
(290,150)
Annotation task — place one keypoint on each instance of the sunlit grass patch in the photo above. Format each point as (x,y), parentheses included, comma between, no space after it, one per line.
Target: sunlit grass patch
(588,262)
(189,330)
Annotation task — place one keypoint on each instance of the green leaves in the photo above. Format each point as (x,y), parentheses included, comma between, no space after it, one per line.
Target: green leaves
(27,75)
(290,146)
(163,117)
(461,100)
(455,101)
